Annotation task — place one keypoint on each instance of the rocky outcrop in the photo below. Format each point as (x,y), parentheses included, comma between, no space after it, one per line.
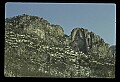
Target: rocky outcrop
(33,25)
(78,39)
(86,41)
(55,30)
(113,49)
(34,47)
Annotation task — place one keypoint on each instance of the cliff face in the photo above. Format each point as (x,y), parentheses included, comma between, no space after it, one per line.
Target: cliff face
(88,41)
(34,47)
(34,25)
(113,49)
(78,37)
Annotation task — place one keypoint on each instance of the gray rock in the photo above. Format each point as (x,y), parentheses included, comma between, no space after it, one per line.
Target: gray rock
(79,39)
(84,41)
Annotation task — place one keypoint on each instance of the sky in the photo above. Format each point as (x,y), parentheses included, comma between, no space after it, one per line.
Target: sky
(99,18)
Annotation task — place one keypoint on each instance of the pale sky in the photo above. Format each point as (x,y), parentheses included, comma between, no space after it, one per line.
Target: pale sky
(97,17)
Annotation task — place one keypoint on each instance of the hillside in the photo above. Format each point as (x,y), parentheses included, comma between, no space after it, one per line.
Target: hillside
(36,48)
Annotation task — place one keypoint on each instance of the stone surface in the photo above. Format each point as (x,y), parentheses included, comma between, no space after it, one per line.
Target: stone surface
(86,41)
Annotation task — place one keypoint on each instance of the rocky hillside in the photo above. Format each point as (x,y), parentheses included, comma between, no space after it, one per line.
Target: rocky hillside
(113,48)
(36,48)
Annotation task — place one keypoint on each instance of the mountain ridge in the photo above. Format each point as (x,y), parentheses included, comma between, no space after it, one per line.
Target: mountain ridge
(58,52)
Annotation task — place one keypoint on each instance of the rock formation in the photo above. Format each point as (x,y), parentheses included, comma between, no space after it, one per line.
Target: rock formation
(34,47)
(86,41)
